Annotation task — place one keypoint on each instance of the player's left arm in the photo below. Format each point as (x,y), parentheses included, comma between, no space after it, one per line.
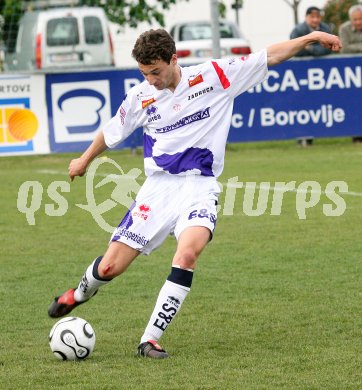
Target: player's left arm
(282,51)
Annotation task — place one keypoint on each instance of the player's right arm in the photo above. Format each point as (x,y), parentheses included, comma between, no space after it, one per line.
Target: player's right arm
(129,116)
(78,166)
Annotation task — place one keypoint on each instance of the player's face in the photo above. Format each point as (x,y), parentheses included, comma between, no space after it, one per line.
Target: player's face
(313,19)
(356,20)
(160,74)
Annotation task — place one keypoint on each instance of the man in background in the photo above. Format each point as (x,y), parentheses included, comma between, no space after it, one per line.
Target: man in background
(350,32)
(313,22)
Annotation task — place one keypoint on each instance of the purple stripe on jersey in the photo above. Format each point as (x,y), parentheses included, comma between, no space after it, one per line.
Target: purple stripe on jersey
(191,158)
(127,220)
(148,143)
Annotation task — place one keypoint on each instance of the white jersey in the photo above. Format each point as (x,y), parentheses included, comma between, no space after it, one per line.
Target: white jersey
(185,131)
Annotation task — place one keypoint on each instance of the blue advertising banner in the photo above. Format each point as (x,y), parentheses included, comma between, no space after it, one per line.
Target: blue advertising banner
(79,104)
(301,98)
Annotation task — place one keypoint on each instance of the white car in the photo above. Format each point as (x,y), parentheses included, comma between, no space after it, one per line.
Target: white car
(62,37)
(194,41)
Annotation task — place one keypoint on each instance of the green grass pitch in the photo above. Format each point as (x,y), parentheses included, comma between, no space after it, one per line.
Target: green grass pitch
(275,303)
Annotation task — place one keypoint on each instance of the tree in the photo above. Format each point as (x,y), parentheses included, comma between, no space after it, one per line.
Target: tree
(122,12)
(294,4)
(336,12)
(10,11)
(132,12)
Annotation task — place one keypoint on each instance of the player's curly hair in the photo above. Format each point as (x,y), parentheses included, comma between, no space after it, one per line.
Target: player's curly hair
(154,45)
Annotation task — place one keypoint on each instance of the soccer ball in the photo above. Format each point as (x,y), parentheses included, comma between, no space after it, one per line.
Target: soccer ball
(72,338)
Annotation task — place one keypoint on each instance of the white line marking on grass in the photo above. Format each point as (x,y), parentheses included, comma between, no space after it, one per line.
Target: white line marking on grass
(350,193)
(63,173)
(282,189)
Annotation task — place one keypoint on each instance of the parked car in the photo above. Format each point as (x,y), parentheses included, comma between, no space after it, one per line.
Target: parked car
(63,37)
(194,41)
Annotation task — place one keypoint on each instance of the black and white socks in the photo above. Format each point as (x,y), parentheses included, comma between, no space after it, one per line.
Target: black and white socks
(90,282)
(169,302)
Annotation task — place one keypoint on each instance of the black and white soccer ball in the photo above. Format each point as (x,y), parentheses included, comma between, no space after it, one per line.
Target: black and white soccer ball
(72,338)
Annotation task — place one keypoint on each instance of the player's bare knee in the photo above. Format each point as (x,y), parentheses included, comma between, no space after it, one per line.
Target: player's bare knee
(185,259)
(106,271)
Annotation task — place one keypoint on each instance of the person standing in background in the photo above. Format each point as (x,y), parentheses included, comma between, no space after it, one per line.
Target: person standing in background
(313,22)
(350,32)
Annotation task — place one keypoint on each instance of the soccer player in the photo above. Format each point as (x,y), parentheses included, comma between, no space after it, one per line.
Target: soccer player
(186,114)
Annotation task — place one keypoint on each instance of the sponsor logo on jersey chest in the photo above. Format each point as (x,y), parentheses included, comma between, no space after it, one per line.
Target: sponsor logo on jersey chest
(199,93)
(197,116)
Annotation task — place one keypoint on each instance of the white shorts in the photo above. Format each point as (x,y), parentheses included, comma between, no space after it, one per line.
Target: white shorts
(166,205)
